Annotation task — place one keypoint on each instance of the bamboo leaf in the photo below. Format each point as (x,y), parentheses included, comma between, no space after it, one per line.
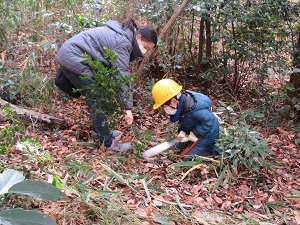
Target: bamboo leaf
(220,179)
(180,206)
(188,163)
(136,131)
(157,218)
(114,174)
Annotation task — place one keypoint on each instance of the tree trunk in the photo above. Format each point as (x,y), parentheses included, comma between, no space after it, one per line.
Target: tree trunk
(191,37)
(201,41)
(162,36)
(295,76)
(208,38)
(29,116)
(295,79)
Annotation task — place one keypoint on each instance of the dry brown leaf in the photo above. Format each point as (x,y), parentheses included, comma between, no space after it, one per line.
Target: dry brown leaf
(141,212)
(257,206)
(297,217)
(218,200)
(157,203)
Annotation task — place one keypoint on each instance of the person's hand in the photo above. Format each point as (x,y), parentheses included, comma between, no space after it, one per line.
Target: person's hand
(192,137)
(181,135)
(128,117)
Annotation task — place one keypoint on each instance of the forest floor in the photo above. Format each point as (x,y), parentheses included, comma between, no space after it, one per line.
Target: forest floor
(154,190)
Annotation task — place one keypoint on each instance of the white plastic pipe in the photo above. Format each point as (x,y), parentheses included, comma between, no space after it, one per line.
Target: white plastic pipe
(159,148)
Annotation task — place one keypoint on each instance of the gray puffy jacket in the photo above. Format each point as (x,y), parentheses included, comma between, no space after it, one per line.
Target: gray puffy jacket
(92,41)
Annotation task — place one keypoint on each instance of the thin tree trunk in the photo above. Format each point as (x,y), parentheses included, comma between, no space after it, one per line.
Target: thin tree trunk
(295,79)
(201,40)
(191,37)
(295,76)
(236,78)
(208,38)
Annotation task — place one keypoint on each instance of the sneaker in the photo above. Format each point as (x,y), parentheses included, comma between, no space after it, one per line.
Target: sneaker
(114,134)
(119,147)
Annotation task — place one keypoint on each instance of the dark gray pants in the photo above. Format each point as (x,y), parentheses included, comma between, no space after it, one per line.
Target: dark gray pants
(100,124)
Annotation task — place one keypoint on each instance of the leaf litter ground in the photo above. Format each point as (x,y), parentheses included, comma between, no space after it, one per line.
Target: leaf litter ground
(156,190)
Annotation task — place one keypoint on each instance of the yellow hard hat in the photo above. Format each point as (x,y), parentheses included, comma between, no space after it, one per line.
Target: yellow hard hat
(163,90)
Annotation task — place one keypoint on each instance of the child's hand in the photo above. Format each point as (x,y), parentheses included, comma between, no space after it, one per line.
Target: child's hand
(192,137)
(181,135)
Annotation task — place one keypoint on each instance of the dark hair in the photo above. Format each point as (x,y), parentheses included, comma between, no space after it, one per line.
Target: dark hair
(148,34)
(129,23)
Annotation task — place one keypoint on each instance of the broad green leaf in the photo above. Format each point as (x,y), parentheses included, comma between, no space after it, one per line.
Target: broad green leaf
(24,217)
(9,178)
(38,189)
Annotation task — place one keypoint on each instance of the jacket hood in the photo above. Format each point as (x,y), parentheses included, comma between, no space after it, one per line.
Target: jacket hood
(117,27)
(203,101)
(194,100)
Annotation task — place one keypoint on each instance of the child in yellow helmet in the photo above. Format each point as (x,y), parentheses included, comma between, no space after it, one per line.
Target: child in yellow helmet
(192,110)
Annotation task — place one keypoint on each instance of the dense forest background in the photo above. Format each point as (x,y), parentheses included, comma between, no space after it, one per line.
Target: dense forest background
(243,54)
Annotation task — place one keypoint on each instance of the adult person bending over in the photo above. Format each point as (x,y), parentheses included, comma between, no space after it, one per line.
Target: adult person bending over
(129,42)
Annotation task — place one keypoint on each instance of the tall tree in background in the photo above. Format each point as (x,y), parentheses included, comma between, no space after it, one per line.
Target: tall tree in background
(295,80)
(295,76)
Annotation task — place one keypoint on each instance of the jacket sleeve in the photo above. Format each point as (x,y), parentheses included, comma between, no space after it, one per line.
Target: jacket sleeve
(182,128)
(122,63)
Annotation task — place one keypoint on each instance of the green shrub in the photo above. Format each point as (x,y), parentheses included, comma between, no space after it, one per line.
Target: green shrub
(9,134)
(104,92)
(243,147)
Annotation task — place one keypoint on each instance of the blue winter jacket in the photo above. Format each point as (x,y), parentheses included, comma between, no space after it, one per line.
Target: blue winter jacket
(92,41)
(196,116)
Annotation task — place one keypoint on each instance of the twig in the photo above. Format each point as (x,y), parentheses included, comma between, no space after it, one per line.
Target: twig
(172,203)
(146,190)
(263,216)
(73,153)
(297,217)
(190,170)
